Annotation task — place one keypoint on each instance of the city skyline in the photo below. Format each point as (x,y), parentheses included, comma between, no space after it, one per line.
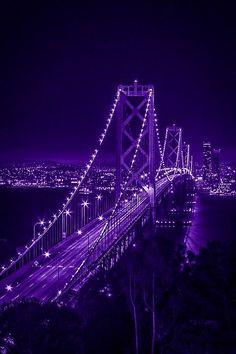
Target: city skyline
(60,68)
(117,177)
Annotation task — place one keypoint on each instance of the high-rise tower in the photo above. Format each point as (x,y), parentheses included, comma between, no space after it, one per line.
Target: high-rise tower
(207,161)
(216,164)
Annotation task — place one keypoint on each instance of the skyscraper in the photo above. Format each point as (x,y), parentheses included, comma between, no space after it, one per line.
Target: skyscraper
(207,162)
(215,158)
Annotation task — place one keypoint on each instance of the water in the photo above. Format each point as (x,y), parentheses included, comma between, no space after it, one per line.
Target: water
(214,219)
(19,210)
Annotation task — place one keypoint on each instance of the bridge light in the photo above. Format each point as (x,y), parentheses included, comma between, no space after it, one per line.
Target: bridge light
(67,212)
(8,287)
(47,254)
(100,218)
(85,203)
(41,222)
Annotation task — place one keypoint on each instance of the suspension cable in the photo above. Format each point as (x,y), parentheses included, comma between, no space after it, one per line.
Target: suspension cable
(72,194)
(101,236)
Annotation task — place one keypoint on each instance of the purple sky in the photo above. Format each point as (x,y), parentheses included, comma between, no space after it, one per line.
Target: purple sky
(60,66)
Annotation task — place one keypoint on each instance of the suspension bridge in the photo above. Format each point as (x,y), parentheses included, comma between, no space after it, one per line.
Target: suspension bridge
(71,247)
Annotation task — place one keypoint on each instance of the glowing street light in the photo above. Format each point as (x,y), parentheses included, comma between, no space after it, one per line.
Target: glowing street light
(85,203)
(100,218)
(40,223)
(8,287)
(98,204)
(67,212)
(47,254)
(79,232)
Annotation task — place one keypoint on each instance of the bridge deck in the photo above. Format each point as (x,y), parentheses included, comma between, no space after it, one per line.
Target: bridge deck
(44,281)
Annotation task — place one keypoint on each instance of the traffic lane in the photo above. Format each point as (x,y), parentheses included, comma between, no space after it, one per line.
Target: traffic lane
(75,244)
(24,270)
(29,268)
(45,276)
(55,274)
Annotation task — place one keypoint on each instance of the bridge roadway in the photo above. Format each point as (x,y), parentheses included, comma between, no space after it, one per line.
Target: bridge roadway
(44,281)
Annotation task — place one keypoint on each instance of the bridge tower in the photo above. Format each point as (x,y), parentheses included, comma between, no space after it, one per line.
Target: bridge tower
(173,147)
(136,109)
(186,156)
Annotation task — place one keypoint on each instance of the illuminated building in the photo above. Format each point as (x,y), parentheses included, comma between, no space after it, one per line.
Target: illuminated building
(215,159)
(207,162)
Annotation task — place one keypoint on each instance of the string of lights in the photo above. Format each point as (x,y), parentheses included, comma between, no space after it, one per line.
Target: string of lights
(117,204)
(72,194)
(162,153)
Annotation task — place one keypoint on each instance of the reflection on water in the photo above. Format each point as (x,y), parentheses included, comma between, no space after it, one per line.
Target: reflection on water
(214,219)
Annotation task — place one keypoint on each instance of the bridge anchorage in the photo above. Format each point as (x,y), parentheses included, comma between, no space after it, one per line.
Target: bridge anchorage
(91,232)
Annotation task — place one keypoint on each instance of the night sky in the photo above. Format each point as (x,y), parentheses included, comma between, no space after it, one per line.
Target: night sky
(61,63)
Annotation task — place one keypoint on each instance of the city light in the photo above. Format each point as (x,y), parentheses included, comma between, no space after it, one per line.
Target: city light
(46,237)
(128,190)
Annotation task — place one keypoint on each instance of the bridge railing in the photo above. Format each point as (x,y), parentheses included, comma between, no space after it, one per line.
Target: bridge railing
(81,210)
(119,225)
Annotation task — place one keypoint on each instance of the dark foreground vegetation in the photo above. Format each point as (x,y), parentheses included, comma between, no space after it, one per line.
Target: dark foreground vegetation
(157,300)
